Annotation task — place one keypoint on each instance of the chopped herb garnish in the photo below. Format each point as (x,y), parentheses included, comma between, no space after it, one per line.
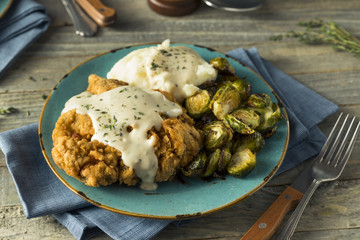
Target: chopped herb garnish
(6,111)
(154,66)
(105,134)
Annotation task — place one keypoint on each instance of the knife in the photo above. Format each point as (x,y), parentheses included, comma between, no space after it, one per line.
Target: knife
(101,14)
(83,25)
(267,224)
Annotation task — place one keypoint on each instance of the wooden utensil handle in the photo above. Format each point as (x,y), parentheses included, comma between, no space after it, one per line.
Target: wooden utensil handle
(267,224)
(101,14)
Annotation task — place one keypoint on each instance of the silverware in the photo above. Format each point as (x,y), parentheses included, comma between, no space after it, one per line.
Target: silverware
(271,219)
(234,5)
(83,25)
(328,166)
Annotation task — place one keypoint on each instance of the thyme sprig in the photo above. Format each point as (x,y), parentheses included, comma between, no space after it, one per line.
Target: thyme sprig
(7,111)
(323,32)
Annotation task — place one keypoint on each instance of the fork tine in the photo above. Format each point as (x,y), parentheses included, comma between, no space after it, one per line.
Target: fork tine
(330,138)
(339,152)
(335,143)
(348,151)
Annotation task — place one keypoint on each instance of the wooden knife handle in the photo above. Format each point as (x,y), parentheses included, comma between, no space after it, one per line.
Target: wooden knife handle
(101,14)
(267,224)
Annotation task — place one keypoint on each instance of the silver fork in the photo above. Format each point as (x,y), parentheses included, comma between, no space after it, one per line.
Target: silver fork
(328,165)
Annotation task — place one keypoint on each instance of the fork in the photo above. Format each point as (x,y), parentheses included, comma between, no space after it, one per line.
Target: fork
(327,166)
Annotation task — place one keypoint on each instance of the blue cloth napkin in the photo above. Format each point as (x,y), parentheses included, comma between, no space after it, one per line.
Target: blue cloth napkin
(41,193)
(21,25)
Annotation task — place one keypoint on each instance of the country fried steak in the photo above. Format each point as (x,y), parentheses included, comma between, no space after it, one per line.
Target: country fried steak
(97,164)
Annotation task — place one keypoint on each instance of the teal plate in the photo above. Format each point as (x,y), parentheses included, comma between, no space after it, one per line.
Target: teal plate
(4,6)
(188,198)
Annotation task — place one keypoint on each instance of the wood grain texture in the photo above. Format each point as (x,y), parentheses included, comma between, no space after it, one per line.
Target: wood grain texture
(333,212)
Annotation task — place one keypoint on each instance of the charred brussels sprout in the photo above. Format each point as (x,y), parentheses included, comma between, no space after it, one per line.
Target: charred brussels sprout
(242,162)
(216,135)
(247,116)
(224,158)
(255,142)
(226,99)
(260,100)
(198,104)
(268,111)
(222,65)
(269,116)
(238,125)
(214,158)
(243,87)
(197,167)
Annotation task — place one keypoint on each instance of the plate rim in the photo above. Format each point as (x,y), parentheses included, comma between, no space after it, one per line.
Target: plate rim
(4,11)
(177,217)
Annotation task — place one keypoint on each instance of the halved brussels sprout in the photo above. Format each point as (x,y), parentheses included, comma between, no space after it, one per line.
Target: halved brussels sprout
(242,163)
(197,167)
(255,142)
(198,104)
(224,158)
(268,111)
(259,100)
(247,116)
(214,158)
(222,65)
(238,125)
(226,99)
(269,116)
(244,88)
(216,135)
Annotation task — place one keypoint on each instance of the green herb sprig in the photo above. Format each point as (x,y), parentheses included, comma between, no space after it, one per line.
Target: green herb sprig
(323,32)
(7,111)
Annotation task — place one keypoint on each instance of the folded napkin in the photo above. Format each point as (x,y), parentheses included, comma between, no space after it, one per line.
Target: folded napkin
(21,25)
(41,193)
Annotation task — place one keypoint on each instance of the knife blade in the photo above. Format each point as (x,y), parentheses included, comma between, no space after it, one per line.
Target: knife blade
(83,25)
(287,201)
(101,14)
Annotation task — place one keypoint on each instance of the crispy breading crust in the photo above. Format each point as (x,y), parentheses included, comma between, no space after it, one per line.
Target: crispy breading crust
(97,164)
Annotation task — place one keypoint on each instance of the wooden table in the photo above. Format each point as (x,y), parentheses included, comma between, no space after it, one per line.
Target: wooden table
(334,211)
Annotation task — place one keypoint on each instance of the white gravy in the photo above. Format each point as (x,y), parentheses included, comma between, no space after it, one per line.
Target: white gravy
(177,69)
(115,112)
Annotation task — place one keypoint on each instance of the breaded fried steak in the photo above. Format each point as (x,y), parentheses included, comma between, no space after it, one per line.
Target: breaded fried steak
(96,163)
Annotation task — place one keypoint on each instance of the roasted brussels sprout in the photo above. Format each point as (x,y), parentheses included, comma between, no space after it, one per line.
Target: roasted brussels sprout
(255,142)
(222,65)
(226,99)
(268,111)
(216,135)
(242,162)
(259,100)
(238,125)
(269,116)
(247,116)
(197,167)
(214,158)
(243,87)
(224,158)
(198,104)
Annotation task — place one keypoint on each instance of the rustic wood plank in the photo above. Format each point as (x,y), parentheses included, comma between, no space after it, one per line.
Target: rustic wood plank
(336,202)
